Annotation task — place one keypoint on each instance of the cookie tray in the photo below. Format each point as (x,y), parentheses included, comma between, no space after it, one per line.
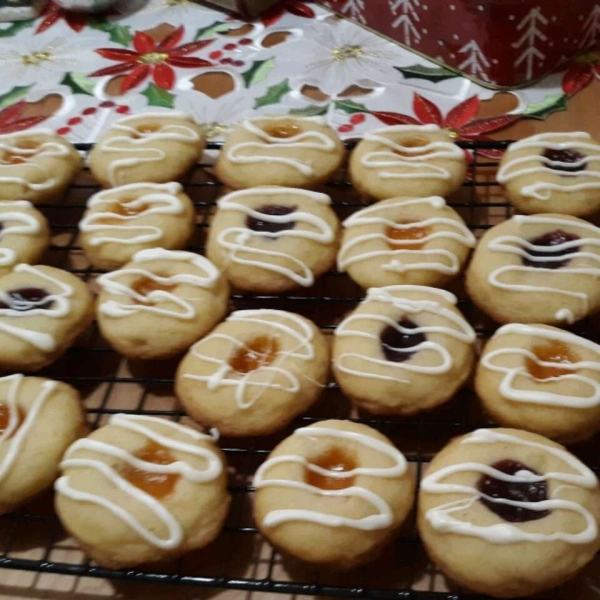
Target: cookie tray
(32,538)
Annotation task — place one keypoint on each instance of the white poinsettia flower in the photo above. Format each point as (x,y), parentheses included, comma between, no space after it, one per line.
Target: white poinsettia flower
(339,53)
(217,115)
(180,12)
(45,59)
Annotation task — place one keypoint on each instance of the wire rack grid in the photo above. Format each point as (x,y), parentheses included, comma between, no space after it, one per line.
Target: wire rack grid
(32,539)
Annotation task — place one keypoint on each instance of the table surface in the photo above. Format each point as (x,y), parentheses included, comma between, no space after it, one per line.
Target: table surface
(582,114)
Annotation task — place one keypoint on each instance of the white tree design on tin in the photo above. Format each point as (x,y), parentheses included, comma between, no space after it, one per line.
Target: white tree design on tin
(530,25)
(476,63)
(591,28)
(355,9)
(407,19)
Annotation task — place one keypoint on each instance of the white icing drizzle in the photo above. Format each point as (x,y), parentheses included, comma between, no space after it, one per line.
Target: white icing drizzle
(457,328)
(441,519)
(441,260)
(15,221)
(14,436)
(44,149)
(540,189)
(61,307)
(310,139)
(513,244)
(420,162)
(236,240)
(508,387)
(380,520)
(141,425)
(224,375)
(162,200)
(141,144)
(185,308)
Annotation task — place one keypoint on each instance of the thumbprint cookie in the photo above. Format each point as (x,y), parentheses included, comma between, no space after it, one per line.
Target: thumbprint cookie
(537,269)
(24,235)
(287,151)
(254,373)
(151,147)
(553,173)
(160,303)
(508,513)
(542,379)
(42,311)
(407,160)
(333,493)
(273,239)
(39,420)
(36,165)
(121,221)
(142,489)
(405,349)
(416,241)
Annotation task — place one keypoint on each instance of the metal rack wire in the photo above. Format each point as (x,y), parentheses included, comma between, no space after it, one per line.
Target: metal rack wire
(32,539)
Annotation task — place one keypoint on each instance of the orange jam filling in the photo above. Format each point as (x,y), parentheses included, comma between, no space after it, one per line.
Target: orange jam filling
(124,210)
(553,352)
(258,353)
(145,285)
(5,417)
(12,158)
(157,485)
(397,236)
(148,128)
(333,460)
(16,158)
(27,145)
(283,130)
(415,142)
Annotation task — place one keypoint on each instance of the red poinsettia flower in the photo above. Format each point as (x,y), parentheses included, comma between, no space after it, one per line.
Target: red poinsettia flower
(12,120)
(300,9)
(152,59)
(581,73)
(54,13)
(460,121)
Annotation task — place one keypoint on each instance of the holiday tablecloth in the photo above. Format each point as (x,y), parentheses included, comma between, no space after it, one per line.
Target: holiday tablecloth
(75,74)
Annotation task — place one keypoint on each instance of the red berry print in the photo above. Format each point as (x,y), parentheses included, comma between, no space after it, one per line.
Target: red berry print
(230,46)
(123,109)
(63,130)
(245,42)
(357,119)
(90,111)
(238,63)
(107,104)
(345,128)
(215,55)
(74,121)
(226,61)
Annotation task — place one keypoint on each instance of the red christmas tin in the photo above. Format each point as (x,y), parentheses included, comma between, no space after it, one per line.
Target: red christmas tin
(498,43)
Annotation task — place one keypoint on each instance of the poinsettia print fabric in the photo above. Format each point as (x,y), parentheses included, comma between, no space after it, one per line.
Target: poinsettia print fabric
(76,73)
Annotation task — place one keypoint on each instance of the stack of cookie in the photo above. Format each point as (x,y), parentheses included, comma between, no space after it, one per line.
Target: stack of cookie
(512,502)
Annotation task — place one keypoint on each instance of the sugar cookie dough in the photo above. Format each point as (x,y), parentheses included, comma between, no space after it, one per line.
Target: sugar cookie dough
(122,221)
(36,165)
(142,489)
(333,493)
(403,350)
(508,513)
(537,269)
(407,160)
(553,173)
(160,303)
(150,147)
(287,151)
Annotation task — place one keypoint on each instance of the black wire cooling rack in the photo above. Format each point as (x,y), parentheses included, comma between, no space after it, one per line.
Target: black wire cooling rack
(32,538)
